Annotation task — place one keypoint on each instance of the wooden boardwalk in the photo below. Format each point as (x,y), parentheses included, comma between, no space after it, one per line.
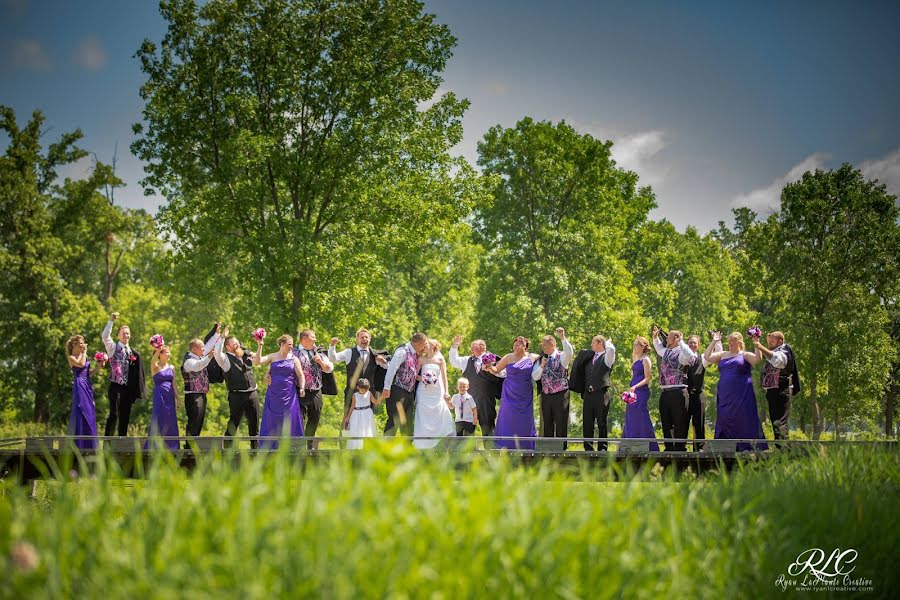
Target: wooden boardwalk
(27,459)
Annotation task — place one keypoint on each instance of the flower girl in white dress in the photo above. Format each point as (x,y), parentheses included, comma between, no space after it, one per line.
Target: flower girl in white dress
(359,420)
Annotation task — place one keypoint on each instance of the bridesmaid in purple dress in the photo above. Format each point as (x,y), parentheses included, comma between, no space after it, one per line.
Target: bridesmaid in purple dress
(737,415)
(637,415)
(281,413)
(83,420)
(516,416)
(163,419)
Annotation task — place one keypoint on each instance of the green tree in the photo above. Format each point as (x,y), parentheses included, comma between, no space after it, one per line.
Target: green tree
(291,141)
(828,251)
(37,309)
(554,235)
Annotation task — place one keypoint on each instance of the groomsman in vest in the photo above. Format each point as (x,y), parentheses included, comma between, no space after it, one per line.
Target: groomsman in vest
(126,377)
(315,366)
(484,387)
(196,383)
(243,399)
(696,373)
(553,375)
(590,378)
(400,385)
(361,361)
(780,380)
(675,357)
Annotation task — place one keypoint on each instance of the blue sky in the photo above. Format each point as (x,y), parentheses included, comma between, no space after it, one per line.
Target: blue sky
(715,104)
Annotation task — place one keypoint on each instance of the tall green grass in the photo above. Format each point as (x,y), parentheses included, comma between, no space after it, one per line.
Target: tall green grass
(391,522)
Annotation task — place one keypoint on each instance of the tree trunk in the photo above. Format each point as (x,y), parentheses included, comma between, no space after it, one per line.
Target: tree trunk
(814,405)
(890,401)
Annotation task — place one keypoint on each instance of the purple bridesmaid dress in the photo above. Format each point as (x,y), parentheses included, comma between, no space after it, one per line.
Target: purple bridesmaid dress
(164,419)
(281,414)
(516,416)
(83,420)
(637,415)
(737,416)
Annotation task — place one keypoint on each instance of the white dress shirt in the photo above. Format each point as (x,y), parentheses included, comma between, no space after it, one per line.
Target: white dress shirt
(460,362)
(566,357)
(397,359)
(346,354)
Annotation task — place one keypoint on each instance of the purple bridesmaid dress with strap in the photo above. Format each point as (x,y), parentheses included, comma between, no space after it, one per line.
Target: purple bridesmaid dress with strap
(83,420)
(281,414)
(164,418)
(637,416)
(516,416)
(737,415)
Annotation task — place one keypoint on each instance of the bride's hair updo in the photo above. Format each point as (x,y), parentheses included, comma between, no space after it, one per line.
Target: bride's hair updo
(436,345)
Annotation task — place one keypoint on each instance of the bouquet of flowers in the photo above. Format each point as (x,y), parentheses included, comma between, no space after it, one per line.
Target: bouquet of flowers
(429,378)
(157,341)
(259,334)
(101,357)
(488,358)
(754,332)
(629,397)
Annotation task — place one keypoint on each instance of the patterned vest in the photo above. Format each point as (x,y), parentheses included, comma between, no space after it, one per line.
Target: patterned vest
(554,378)
(118,365)
(312,372)
(195,382)
(406,375)
(670,371)
(778,378)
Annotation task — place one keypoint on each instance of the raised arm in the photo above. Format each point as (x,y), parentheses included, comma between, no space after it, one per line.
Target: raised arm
(219,354)
(685,355)
(193,365)
(711,355)
(610,356)
(455,359)
(154,361)
(718,348)
(338,357)
(657,344)
(258,358)
(105,336)
(568,351)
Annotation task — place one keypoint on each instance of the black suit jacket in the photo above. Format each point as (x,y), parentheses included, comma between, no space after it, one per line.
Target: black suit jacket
(137,385)
(578,372)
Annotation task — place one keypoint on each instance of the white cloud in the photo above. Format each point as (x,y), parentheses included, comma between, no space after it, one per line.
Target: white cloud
(28,55)
(886,170)
(89,54)
(636,151)
(768,199)
(80,169)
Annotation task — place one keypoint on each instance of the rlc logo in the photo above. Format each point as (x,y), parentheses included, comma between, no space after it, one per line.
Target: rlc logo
(824,566)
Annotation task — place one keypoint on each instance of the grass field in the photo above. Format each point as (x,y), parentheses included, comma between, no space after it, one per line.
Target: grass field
(390,522)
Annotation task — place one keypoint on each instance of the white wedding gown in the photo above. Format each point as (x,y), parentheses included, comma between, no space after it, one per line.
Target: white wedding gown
(433,417)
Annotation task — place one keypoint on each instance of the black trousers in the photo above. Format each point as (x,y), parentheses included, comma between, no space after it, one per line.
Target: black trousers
(311,412)
(408,399)
(697,415)
(195,407)
(240,404)
(465,428)
(555,414)
(779,411)
(673,412)
(596,409)
(487,414)
(120,402)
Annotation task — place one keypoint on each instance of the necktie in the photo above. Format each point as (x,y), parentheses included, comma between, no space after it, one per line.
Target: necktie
(478,365)
(596,356)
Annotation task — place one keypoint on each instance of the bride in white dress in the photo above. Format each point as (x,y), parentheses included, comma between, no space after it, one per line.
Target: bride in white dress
(433,417)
